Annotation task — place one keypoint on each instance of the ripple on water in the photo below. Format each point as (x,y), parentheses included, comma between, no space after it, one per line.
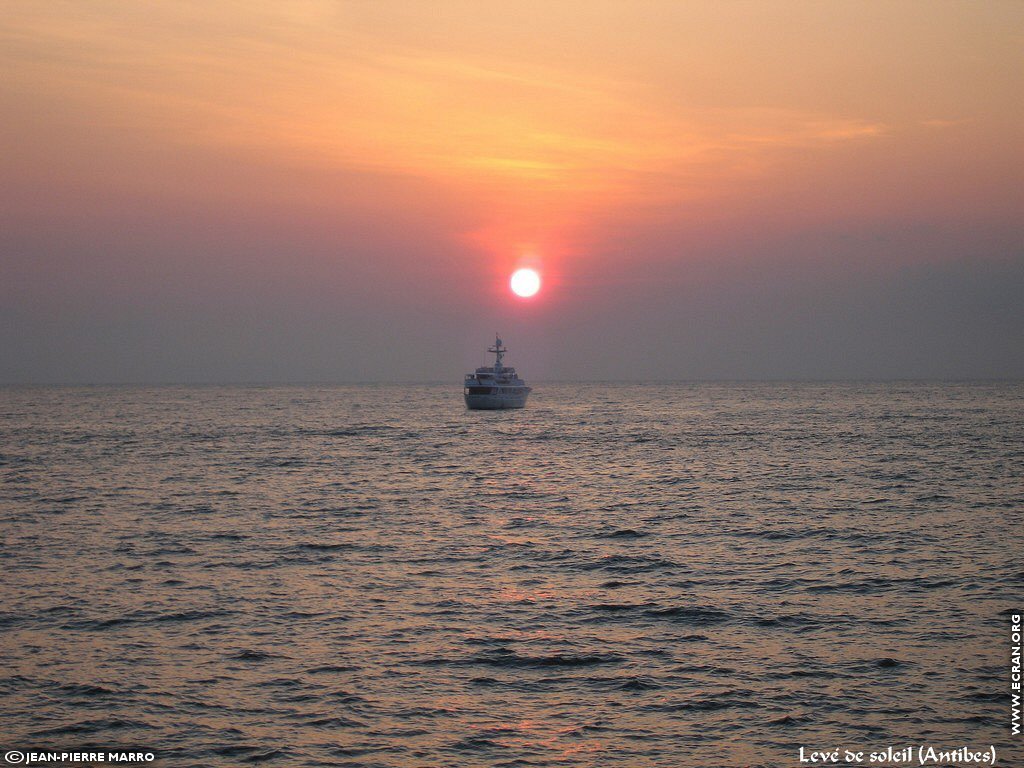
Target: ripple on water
(669,576)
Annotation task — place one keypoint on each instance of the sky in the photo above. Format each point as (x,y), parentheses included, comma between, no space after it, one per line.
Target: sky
(217,191)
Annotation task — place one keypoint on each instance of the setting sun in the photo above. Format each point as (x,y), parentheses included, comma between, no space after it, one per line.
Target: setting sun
(525,282)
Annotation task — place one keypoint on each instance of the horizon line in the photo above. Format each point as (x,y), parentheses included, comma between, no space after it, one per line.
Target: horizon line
(449,382)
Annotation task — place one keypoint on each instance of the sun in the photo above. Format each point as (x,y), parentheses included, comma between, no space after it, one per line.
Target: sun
(525,282)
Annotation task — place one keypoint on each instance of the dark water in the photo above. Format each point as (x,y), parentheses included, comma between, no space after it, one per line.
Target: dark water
(688,575)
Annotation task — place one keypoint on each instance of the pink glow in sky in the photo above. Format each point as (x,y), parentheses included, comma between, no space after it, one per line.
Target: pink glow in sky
(229,191)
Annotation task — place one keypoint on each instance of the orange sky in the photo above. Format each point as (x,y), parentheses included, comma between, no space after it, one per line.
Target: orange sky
(561,133)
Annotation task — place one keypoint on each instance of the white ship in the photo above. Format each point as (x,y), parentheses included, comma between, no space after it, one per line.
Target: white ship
(494,387)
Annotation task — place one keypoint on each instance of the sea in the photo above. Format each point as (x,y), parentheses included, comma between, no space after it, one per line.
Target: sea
(720,575)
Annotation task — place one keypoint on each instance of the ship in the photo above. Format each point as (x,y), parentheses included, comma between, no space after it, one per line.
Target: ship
(494,387)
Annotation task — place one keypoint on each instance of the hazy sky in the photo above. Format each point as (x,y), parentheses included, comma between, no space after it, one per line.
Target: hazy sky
(213,190)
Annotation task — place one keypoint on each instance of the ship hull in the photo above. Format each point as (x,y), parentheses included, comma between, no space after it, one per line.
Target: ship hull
(496,402)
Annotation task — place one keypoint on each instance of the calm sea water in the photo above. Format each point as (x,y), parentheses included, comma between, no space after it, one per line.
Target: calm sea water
(679,575)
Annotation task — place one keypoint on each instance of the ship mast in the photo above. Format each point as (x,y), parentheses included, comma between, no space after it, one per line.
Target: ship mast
(499,352)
